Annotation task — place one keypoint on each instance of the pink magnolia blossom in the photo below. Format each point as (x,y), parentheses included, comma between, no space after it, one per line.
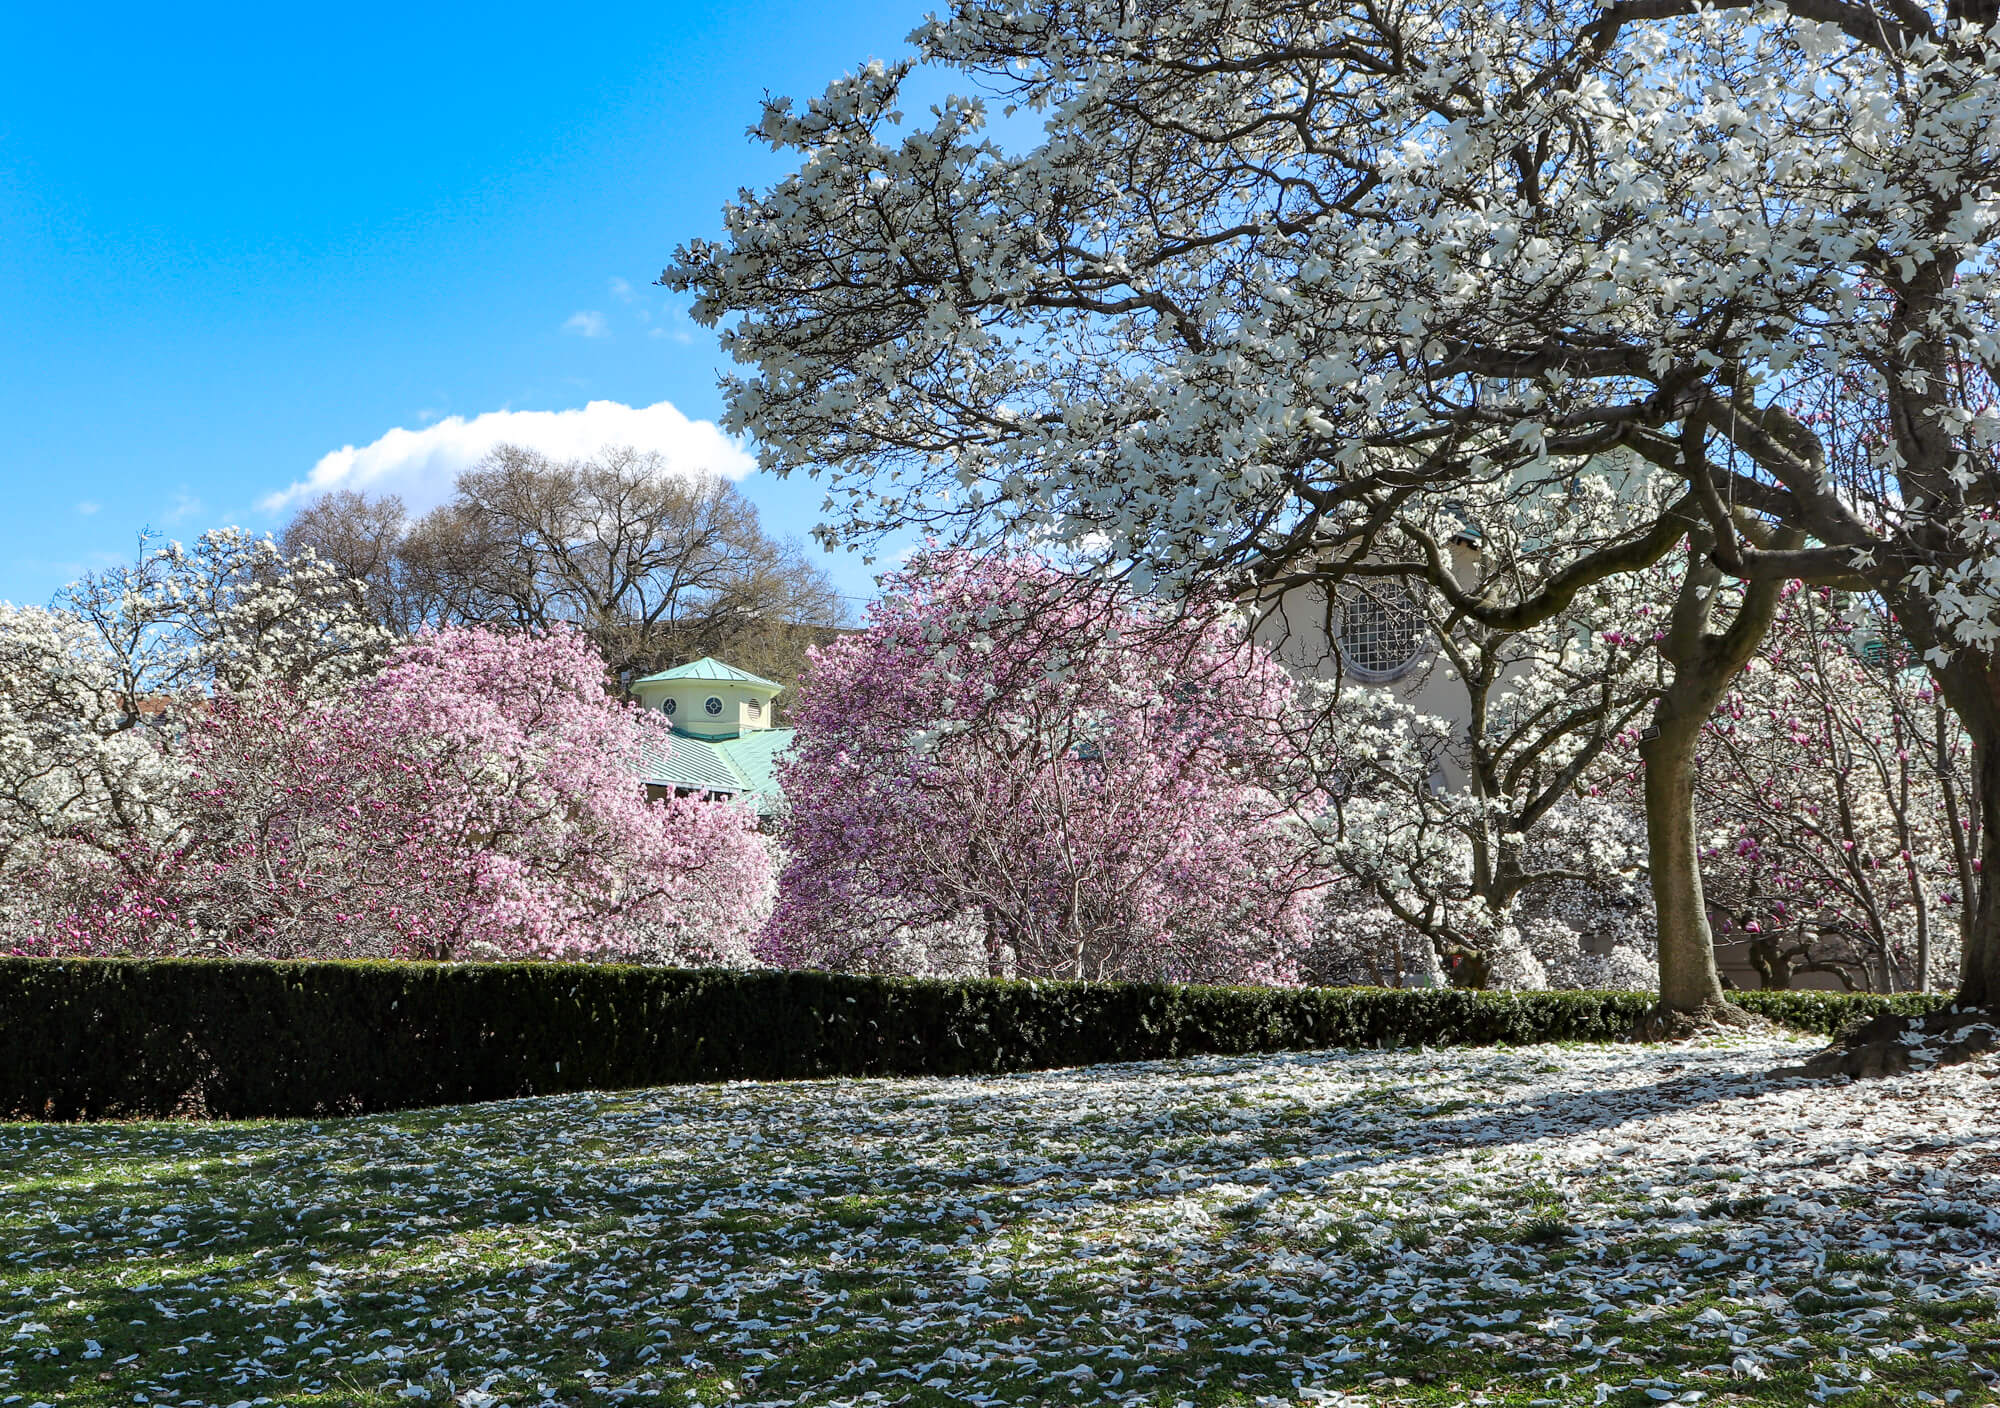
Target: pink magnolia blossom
(1834,790)
(1013,772)
(477,797)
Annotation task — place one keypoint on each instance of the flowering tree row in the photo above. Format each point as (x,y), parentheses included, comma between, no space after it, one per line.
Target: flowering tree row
(257,771)
(1015,771)
(1011,770)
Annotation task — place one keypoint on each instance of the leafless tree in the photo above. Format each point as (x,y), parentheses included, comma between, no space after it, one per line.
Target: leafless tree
(654,567)
(361,539)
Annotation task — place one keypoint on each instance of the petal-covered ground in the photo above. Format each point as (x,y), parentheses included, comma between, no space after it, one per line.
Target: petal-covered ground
(1555,1225)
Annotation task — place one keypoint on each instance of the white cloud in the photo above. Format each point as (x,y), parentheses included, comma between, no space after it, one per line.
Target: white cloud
(421,464)
(88,507)
(587,323)
(621,290)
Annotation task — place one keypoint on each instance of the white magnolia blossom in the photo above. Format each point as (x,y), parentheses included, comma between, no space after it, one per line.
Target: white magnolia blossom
(93,692)
(227,610)
(1226,294)
(1481,825)
(73,759)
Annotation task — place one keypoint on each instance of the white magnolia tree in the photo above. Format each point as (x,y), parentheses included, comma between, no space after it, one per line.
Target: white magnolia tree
(1480,824)
(96,692)
(73,761)
(1266,276)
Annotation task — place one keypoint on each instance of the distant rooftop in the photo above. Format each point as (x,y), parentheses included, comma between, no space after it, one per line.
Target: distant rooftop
(755,757)
(709,668)
(676,760)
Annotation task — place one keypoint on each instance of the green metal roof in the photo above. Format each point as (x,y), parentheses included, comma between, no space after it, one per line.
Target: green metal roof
(678,760)
(755,755)
(743,766)
(711,669)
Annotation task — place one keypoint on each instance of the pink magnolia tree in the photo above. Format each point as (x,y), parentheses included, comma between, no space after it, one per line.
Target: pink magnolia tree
(1839,833)
(1013,772)
(476,797)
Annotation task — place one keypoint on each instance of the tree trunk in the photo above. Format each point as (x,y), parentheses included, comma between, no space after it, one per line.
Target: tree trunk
(1773,964)
(1979,970)
(1467,967)
(1703,665)
(1689,980)
(1971,686)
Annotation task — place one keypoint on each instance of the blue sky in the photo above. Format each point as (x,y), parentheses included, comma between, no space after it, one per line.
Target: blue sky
(233,242)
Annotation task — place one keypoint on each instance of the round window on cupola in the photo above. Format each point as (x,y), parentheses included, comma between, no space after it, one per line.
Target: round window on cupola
(754,707)
(1382,630)
(714,704)
(671,705)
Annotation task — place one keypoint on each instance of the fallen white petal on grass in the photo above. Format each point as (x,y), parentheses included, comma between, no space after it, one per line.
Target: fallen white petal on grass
(1550,1226)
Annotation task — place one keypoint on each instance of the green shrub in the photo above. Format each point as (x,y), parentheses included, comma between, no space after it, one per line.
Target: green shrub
(1830,1013)
(82,1039)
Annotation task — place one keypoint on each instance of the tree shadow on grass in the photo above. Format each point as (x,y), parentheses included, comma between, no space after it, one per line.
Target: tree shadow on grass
(853,1239)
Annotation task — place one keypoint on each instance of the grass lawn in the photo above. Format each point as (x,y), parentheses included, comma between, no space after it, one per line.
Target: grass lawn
(1555,1225)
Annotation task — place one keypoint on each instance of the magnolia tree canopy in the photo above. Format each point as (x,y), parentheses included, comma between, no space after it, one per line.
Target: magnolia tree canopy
(1014,773)
(1266,271)
(1262,280)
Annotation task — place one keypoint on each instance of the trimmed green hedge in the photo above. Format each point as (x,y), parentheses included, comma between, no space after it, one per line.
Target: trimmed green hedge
(128,1038)
(1830,1013)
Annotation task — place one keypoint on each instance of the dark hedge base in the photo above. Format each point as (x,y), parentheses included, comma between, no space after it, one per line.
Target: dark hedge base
(114,1038)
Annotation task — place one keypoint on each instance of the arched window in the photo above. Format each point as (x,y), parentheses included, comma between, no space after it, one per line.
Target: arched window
(1381,629)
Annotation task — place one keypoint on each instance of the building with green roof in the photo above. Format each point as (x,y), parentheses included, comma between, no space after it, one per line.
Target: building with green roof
(723,744)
